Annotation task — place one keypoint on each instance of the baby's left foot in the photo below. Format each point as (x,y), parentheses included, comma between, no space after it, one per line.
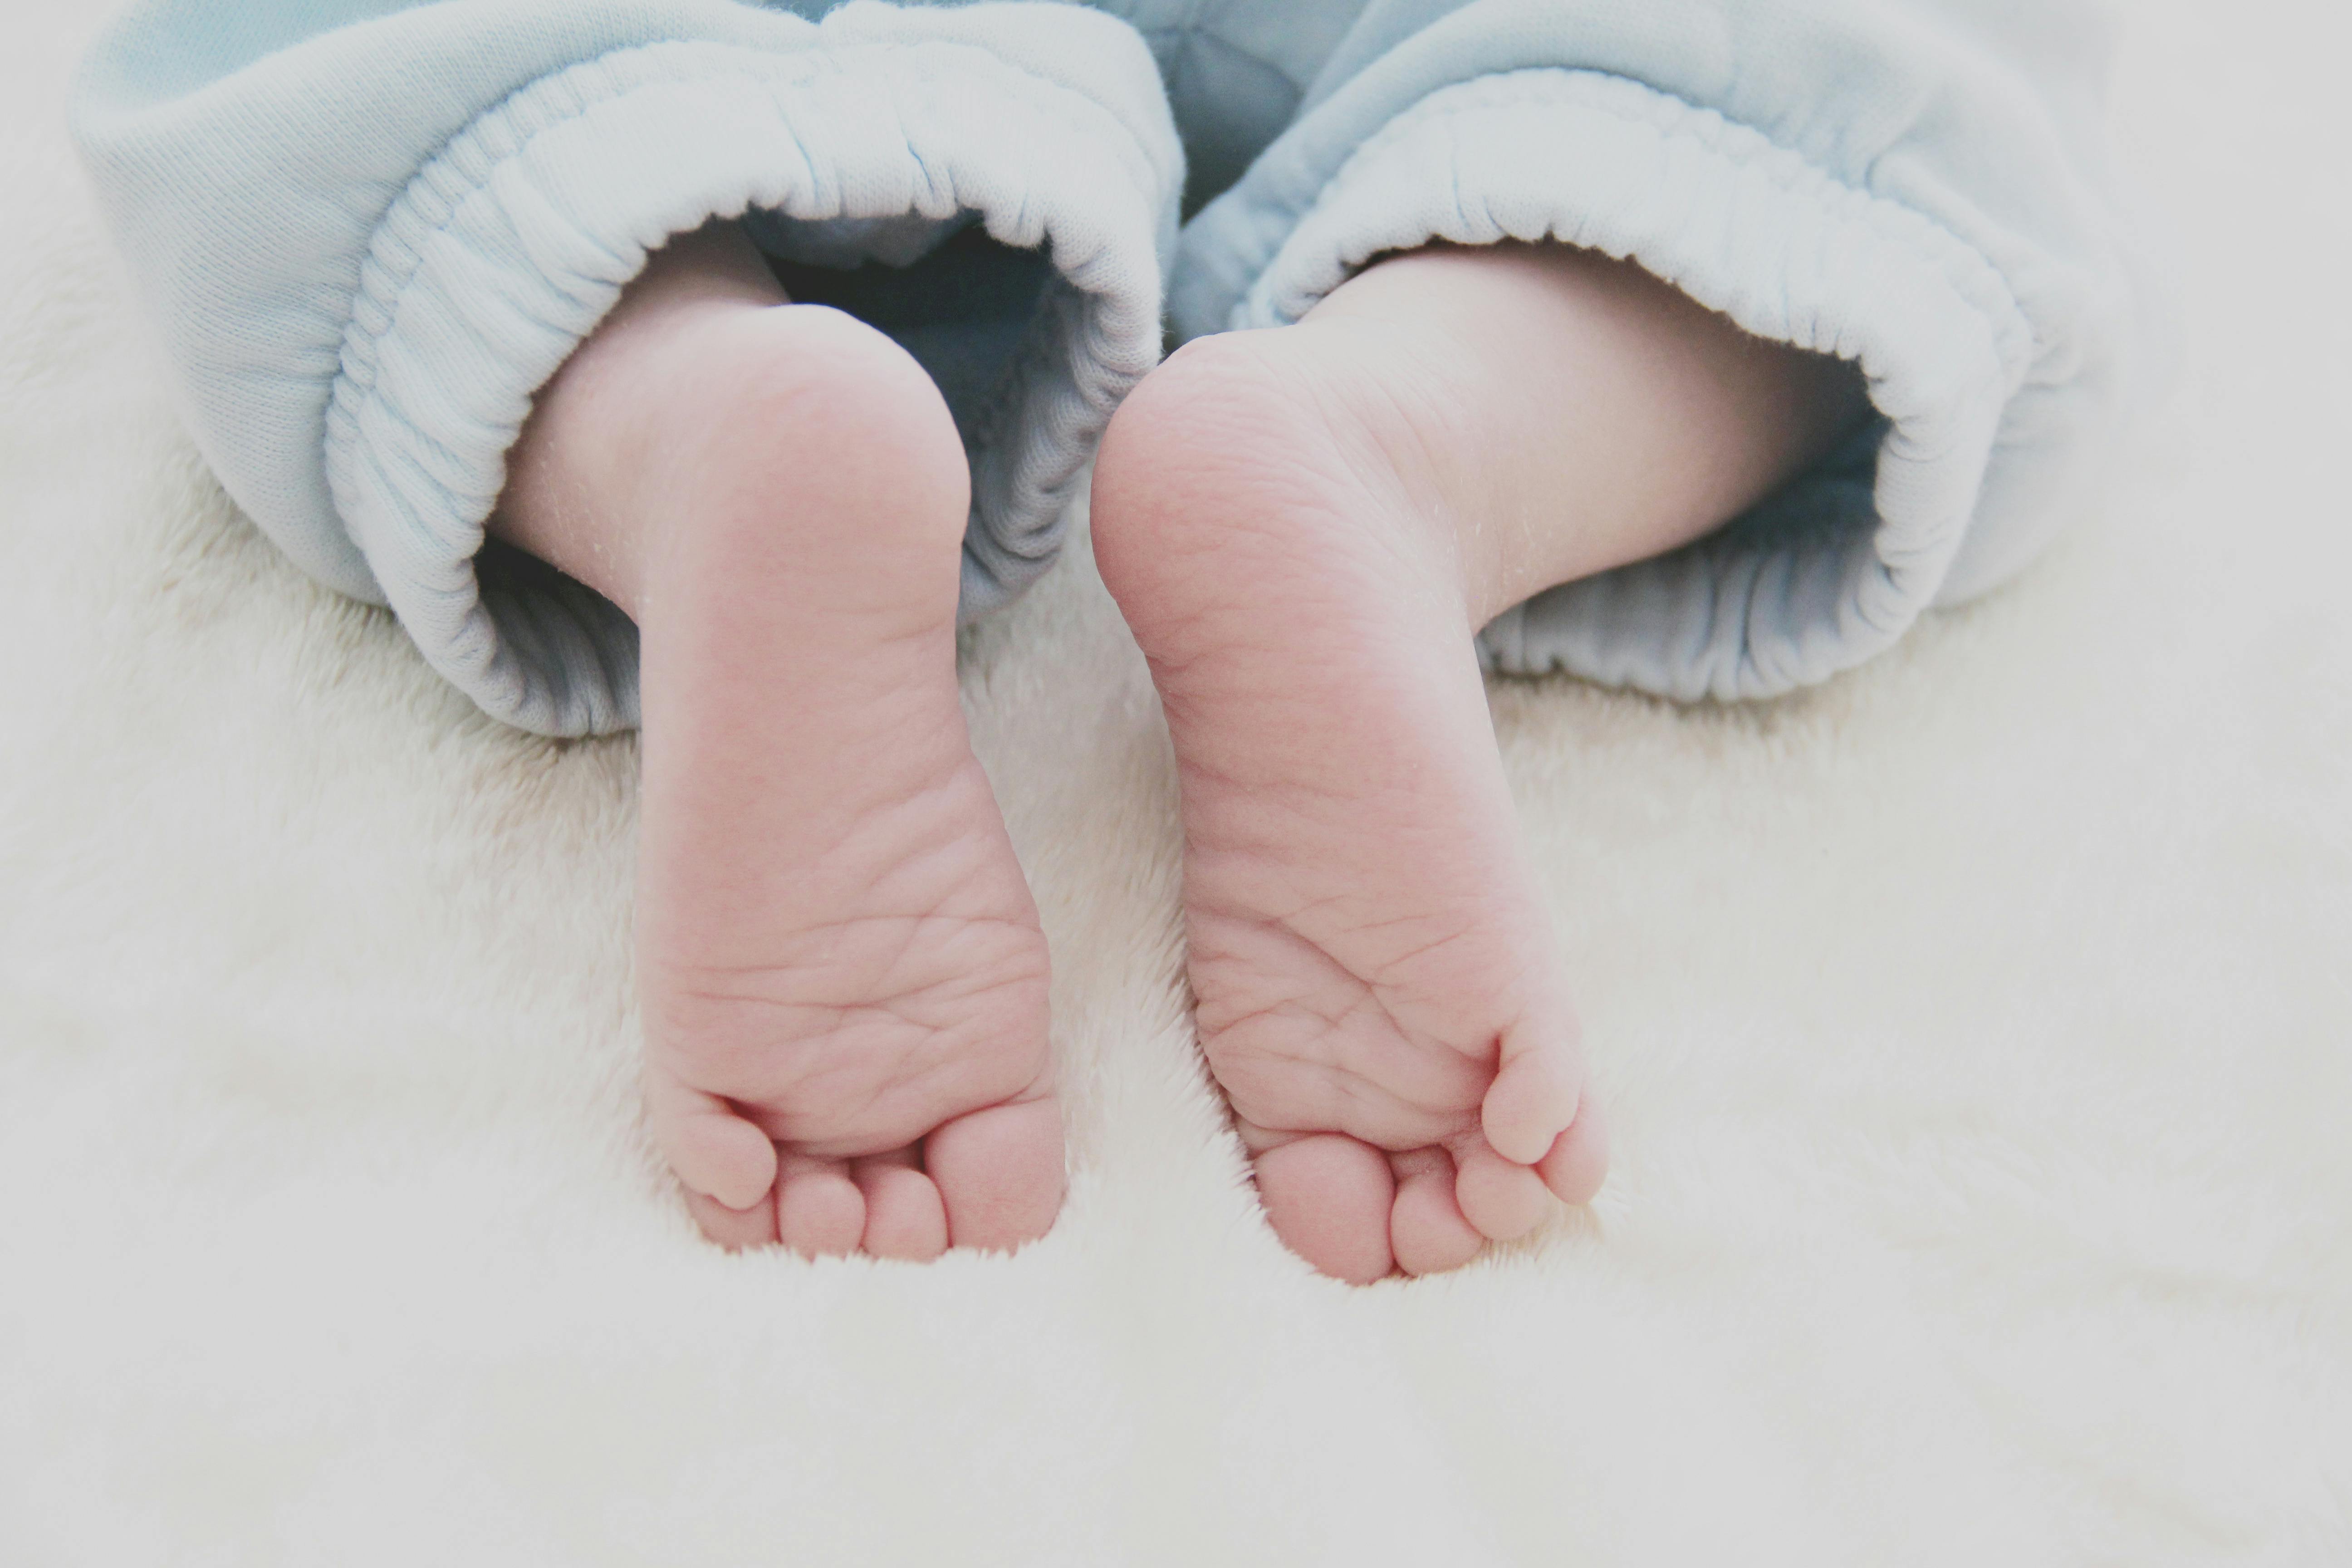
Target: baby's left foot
(1376,982)
(1305,527)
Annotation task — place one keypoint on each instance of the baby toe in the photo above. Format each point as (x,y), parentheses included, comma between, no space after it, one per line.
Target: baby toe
(716,1153)
(1578,1158)
(1328,1197)
(734,1229)
(1536,1094)
(1503,1201)
(905,1217)
(820,1212)
(1428,1232)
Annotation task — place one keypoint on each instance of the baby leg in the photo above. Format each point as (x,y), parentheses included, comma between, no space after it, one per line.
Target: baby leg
(841,972)
(1305,527)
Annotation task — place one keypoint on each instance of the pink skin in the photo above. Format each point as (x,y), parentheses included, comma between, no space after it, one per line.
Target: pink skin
(842,977)
(1304,528)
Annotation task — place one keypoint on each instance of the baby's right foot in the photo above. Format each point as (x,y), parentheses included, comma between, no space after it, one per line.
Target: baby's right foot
(842,975)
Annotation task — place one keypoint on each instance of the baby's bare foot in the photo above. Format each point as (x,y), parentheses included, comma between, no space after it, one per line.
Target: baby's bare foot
(1303,527)
(1376,986)
(842,975)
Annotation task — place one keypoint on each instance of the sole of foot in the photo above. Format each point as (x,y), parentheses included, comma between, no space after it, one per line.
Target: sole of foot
(842,976)
(1376,981)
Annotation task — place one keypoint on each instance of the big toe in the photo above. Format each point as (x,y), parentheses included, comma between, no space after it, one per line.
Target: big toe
(999,1173)
(1328,1197)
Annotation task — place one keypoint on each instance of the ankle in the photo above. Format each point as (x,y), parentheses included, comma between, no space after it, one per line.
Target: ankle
(581,476)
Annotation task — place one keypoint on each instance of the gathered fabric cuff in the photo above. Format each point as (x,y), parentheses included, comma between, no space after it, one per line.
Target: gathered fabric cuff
(1970,463)
(507,247)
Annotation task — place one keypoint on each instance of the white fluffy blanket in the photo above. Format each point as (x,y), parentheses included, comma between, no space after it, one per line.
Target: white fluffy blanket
(1976,1032)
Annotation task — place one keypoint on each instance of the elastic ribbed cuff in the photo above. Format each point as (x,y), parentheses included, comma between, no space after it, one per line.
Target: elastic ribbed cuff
(1830,571)
(506,249)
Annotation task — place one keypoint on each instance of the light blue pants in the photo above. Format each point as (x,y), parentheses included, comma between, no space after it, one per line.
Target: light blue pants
(369,230)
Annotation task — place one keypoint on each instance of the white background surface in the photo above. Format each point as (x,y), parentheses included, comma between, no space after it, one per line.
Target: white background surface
(1978,1032)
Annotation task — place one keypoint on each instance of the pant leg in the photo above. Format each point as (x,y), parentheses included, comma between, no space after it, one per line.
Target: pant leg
(368,232)
(1911,184)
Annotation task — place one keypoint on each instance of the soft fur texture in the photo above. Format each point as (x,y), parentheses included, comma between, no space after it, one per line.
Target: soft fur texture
(1975,1030)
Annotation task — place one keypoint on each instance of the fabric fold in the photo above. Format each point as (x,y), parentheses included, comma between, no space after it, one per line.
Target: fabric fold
(1991,331)
(369,230)
(498,250)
